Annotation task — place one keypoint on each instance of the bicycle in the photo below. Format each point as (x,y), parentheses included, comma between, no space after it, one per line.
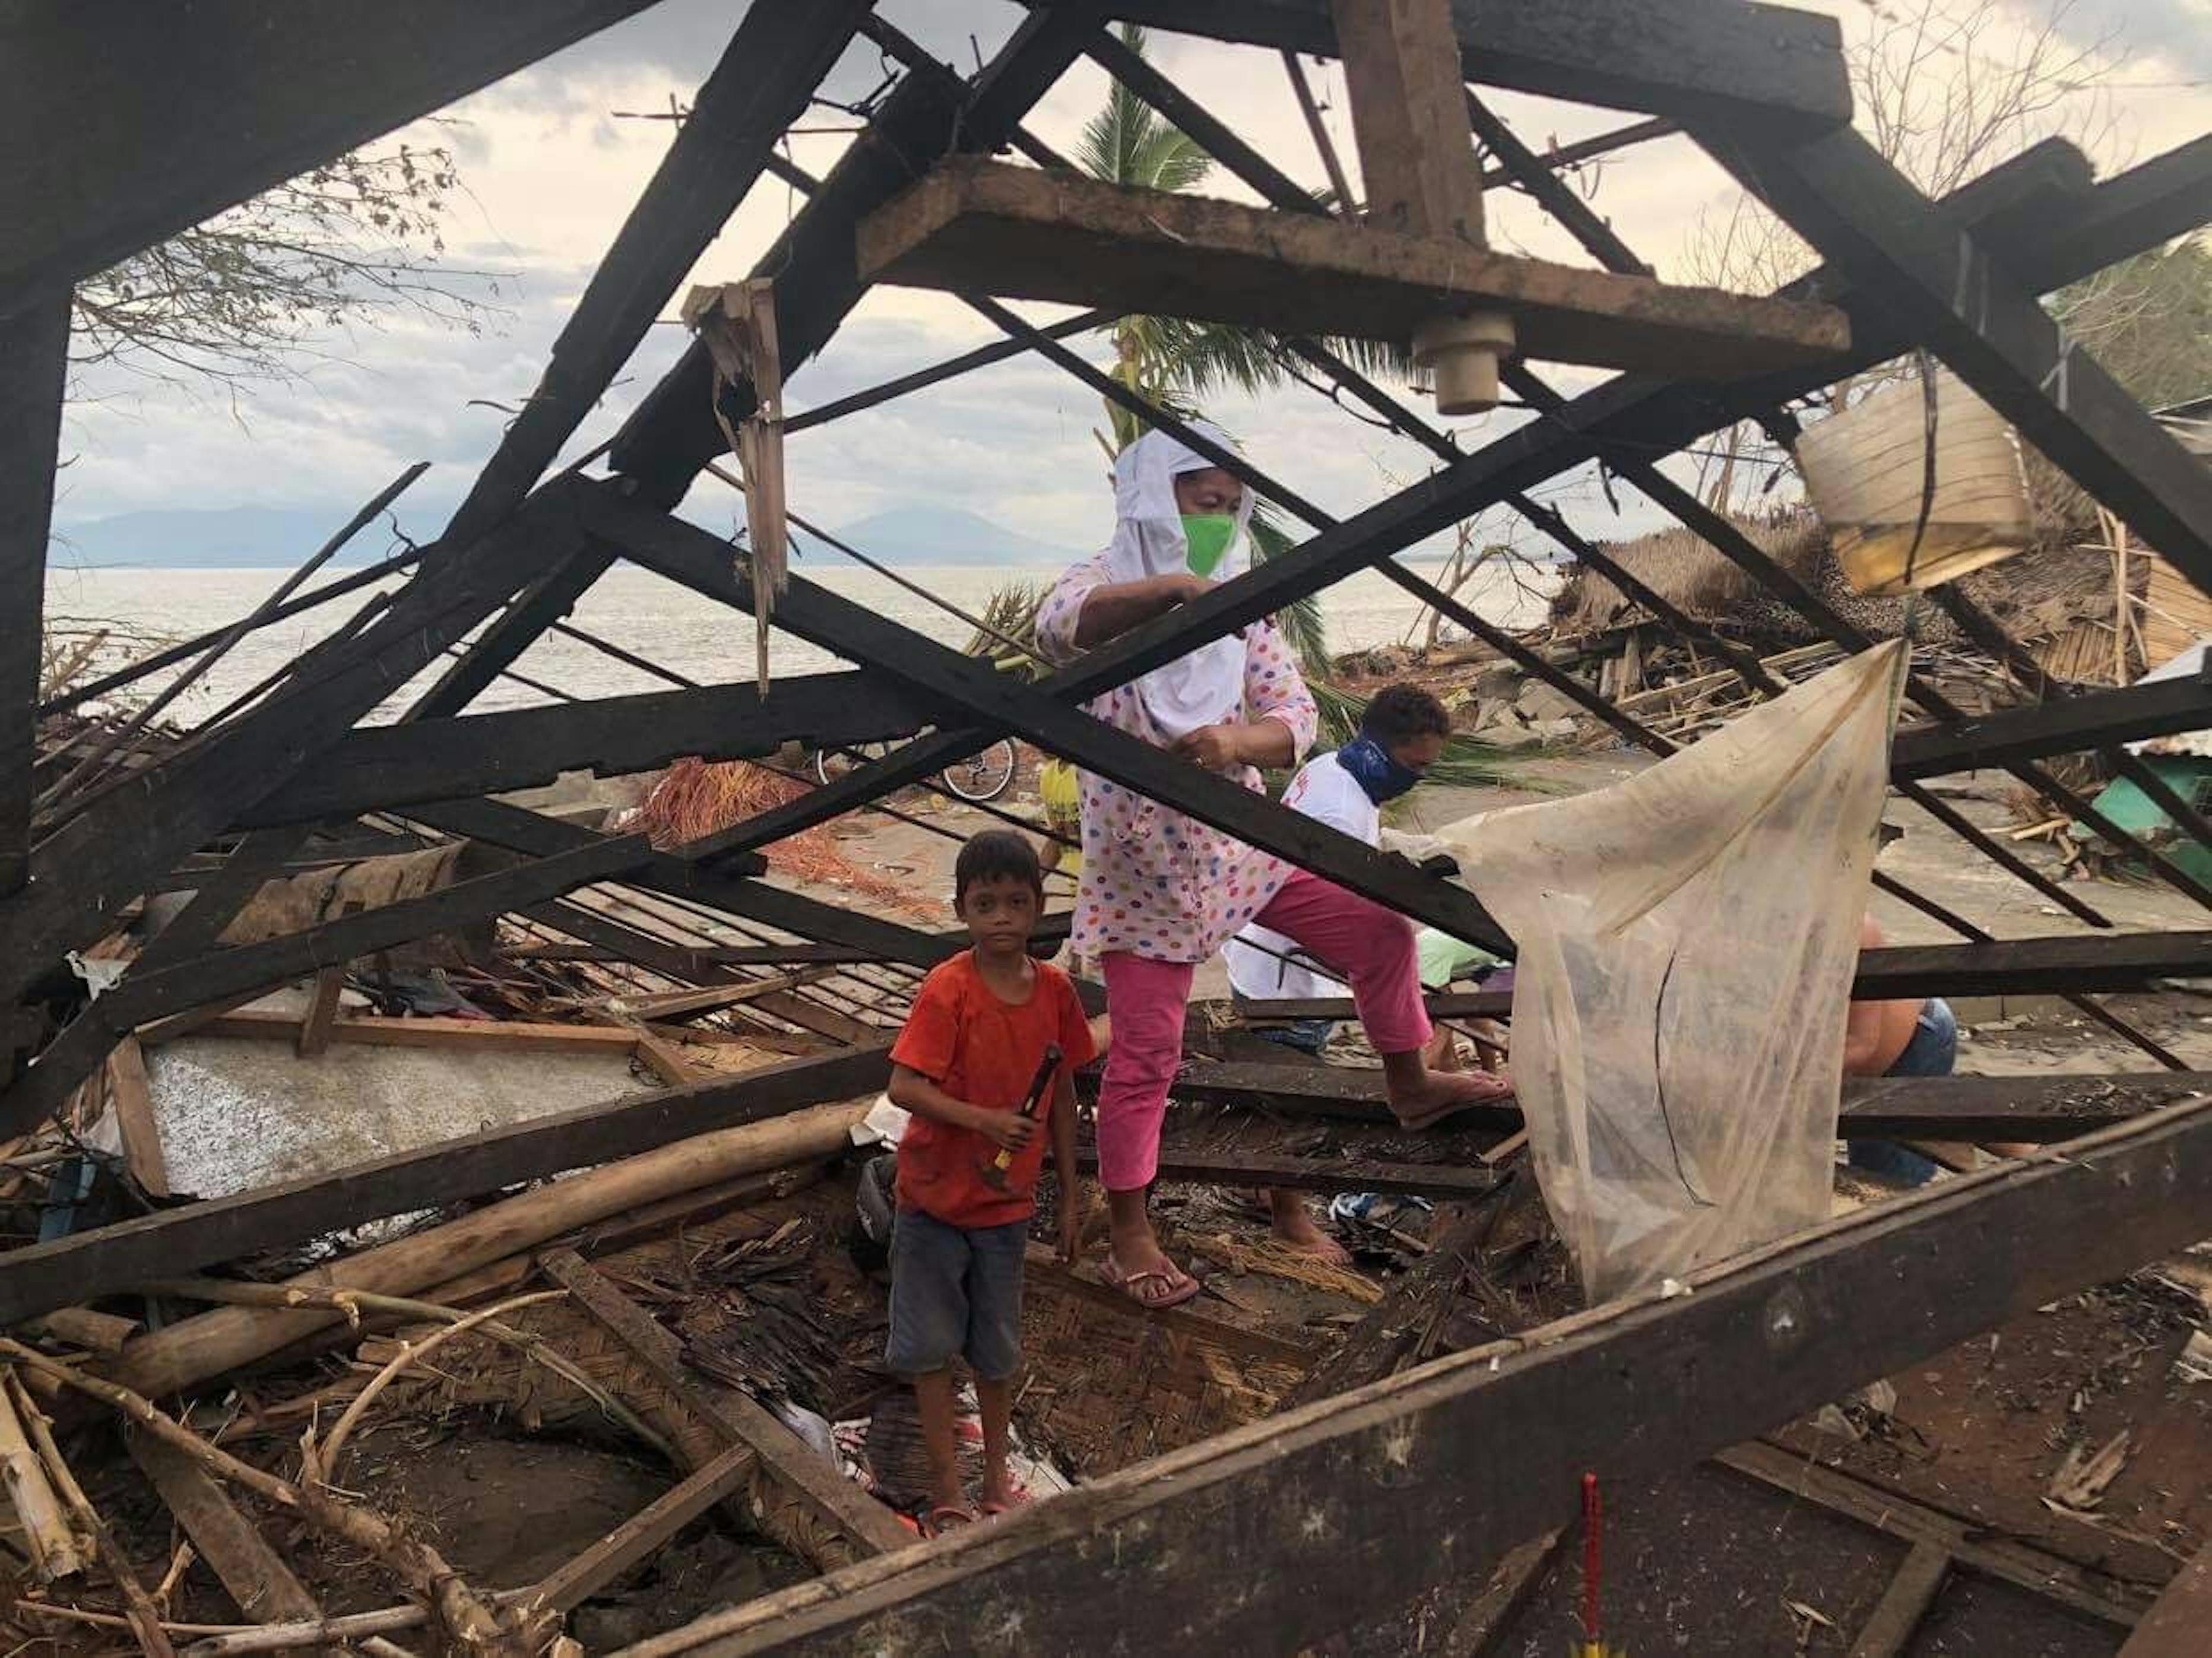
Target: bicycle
(983,776)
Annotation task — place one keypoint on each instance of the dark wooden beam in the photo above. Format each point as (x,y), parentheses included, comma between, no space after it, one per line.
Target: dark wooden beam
(2054,965)
(384,767)
(672,961)
(693,557)
(86,1265)
(2054,1107)
(673,432)
(698,957)
(203,105)
(1625,415)
(244,969)
(2068,726)
(539,836)
(972,224)
(34,364)
(1906,257)
(1448,1181)
(796,1468)
(1766,65)
(762,83)
(1431,1474)
(86,870)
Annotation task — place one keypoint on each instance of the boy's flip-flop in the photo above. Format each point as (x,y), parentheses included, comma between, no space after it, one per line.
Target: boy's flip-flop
(1180,1286)
(945,1517)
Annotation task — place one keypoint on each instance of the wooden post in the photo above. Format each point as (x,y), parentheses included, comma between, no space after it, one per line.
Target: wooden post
(258,1581)
(133,1101)
(322,1006)
(1402,71)
(33,361)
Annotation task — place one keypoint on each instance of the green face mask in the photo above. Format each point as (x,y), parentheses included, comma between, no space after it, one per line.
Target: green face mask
(1208,534)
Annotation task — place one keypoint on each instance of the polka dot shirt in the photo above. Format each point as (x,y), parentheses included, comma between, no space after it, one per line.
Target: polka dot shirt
(1157,883)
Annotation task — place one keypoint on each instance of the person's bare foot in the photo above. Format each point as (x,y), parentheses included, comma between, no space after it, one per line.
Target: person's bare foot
(1294,1224)
(1437,1094)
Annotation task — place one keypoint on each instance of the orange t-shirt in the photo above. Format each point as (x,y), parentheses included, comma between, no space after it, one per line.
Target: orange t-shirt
(985,1051)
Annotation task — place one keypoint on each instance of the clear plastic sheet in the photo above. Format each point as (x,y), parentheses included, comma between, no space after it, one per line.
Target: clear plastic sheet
(1687,942)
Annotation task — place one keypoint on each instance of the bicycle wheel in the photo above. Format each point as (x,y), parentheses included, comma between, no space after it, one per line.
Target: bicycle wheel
(983,776)
(830,765)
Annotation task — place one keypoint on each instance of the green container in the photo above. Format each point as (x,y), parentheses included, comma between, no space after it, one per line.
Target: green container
(2128,806)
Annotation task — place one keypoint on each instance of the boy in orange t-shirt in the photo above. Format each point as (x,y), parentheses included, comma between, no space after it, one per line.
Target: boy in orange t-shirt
(963,1065)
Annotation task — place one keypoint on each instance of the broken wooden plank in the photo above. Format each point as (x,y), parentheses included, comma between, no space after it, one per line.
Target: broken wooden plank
(1027,234)
(2054,1106)
(644,1533)
(794,1466)
(129,1097)
(381,767)
(492,1036)
(1970,1546)
(1911,1591)
(260,1584)
(85,1266)
(2067,726)
(322,1012)
(1763,65)
(1513,1583)
(1044,1264)
(2178,1622)
(674,1004)
(1427,1180)
(1431,1473)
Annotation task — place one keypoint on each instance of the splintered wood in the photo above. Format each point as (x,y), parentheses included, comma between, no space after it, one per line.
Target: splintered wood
(736,322)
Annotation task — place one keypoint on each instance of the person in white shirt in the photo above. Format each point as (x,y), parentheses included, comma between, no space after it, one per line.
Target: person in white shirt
(1401,734)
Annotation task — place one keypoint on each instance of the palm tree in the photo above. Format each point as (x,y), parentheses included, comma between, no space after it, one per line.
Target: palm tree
(1173,361)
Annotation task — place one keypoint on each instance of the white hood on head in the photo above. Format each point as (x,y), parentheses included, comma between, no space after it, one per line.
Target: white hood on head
(1206,686)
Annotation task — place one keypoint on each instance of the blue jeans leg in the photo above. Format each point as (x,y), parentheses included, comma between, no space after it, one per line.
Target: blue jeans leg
(1932,1052)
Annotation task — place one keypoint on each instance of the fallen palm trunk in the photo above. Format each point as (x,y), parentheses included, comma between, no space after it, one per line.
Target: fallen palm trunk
(184,1354)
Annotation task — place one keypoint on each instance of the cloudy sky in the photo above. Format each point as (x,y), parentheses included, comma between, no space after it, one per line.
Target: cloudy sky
(550,168)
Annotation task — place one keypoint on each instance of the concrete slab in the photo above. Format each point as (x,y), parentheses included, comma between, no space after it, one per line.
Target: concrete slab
(235,1115)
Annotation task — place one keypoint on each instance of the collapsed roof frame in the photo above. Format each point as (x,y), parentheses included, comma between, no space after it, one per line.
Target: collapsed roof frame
(519,552)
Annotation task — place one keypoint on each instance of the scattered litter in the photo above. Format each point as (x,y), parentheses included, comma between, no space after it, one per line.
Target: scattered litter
(2194,1361)
(2079,1485)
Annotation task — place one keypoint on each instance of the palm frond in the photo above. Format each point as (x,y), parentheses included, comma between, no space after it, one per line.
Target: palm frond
(1202,358)
(1300,622)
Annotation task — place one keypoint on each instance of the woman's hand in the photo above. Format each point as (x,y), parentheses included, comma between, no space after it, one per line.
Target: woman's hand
(1217,748)
(1179,588)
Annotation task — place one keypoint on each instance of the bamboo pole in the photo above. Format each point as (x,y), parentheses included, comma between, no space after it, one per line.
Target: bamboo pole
(187,1353)
(145,1618)
(53,1547)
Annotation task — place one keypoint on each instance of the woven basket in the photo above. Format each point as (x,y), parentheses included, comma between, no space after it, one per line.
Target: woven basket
(1866,471)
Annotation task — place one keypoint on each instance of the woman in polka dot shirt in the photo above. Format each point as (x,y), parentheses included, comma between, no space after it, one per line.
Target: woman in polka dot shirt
(1161,892)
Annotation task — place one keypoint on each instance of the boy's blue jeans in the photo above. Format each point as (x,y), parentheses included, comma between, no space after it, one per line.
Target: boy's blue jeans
(1932,1052)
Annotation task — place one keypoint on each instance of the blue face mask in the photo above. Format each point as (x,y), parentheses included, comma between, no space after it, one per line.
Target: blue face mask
(1380,777)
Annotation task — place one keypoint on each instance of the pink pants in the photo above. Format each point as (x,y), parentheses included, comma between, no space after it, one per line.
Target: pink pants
(1372,946)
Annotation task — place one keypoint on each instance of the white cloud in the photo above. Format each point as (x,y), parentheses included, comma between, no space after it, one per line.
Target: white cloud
(551,174)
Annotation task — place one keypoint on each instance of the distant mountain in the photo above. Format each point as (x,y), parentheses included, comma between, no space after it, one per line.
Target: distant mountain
(260,537)
(946,535)
(238,537)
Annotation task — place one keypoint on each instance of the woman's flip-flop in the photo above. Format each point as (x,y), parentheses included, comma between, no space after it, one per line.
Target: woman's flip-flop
(1177,1285)
(945,1517)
